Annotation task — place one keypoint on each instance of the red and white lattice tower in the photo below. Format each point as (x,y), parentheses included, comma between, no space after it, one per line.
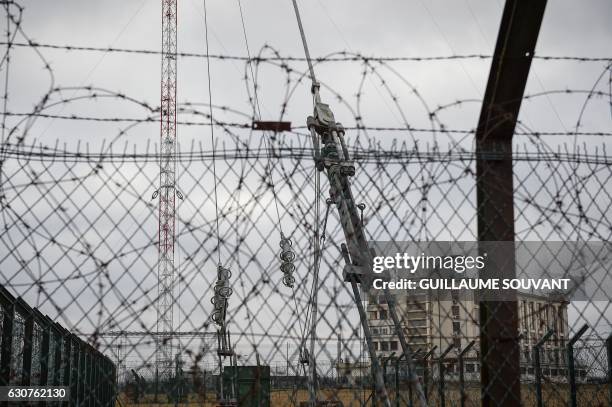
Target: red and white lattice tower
(167,193)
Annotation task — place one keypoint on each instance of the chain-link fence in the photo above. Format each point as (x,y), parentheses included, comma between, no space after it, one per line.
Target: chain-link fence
(80,242)
(37,351)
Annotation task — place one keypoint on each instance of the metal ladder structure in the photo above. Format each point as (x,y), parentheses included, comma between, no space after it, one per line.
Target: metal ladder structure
(331,156)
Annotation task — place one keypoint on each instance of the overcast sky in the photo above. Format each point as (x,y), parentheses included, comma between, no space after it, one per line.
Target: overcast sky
(415,28)
(388,28)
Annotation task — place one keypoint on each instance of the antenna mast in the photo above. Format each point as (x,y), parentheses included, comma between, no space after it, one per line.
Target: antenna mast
(167,194)
(332,158)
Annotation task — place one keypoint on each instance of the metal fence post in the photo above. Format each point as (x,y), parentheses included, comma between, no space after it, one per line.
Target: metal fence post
(463,395)
(81,374)
(8,311)
(27,349)
(410,392)
(96,375)
(441,374)
(44,353)
(500,353)
(105,373)
(609,352)
(68,362)
(385,362)
(426,371)
(570,364)
(74,368)
(111,380)
(536,366)
(397,381)
(57,359)
(156,386)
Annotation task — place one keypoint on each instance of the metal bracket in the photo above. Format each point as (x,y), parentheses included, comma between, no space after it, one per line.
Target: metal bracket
(344,167)
(324,115)
(271,126)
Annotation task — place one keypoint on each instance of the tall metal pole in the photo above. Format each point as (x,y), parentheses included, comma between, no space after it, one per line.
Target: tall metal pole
(499,344)
(609,353)
(463,394)
(166,193)
(334,159)
(571,368)
(441,384)
(312,363)
(426,370)
(537,368)
(397,383)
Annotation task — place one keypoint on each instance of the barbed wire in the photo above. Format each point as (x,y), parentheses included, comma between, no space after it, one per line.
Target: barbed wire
(79,234)
(339,56)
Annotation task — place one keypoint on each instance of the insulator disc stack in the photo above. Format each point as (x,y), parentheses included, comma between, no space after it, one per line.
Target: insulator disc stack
(287,257)
(222,292)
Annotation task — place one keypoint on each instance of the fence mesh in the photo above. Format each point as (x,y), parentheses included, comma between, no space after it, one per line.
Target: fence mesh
(80,241)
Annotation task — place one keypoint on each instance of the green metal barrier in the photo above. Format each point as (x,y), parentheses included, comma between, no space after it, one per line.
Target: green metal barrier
(250,385)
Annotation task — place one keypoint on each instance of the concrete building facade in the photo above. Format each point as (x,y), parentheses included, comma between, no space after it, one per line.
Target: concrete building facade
(429,322)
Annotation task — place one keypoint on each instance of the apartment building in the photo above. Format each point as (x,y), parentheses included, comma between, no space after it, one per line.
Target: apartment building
(429,322)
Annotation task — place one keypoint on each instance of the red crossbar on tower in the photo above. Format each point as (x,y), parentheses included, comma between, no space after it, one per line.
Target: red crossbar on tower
(167,193)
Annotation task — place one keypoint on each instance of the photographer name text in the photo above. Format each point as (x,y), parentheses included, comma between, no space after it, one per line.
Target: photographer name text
(473,284)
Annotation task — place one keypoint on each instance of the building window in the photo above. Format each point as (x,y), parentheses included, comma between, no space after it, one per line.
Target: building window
(372,315)
(375,344)
(382,314)
(455,310)
(384,346)
(417,322)
(456,327)
(469,368)
(457,343)
(393,345)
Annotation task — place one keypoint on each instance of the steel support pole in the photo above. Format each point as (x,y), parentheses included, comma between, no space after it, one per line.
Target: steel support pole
(413,378)
(57,360)
(463,394)
(44,355)
(500,352)
(379,382)
(82,367)
(385,363)
(312,365)
(570,364)
(609,352)
(397,380)
(361,256)
(74,368)
(335,161)
(27,350)
(441,391)
(8,317)
(426,370)
(536,366)
(67,359)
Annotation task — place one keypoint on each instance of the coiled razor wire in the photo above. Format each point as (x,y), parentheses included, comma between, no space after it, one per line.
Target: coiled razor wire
(222,293)
(79,236)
